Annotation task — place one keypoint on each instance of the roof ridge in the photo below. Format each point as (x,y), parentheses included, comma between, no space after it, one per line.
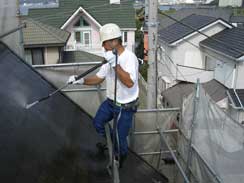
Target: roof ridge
(41,25)
(199,16)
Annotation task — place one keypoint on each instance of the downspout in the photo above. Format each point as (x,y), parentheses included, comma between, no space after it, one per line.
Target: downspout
(233,83)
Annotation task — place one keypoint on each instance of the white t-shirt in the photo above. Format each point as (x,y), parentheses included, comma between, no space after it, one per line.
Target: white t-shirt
(129,63)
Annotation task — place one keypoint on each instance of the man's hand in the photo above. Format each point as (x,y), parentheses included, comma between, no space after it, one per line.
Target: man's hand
(110,57)
(72,80)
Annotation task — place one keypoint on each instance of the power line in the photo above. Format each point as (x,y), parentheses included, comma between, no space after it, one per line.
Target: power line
(200,32)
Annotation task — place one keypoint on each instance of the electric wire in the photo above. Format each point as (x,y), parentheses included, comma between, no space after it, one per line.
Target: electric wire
(200,32)
(196,47)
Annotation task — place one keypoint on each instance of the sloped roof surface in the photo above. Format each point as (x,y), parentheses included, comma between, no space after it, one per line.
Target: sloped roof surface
(174,95)
(237,19)
(177,31)
(80,56)
(217,12)
(233,40)
(122,14)
(37,33)
(53,141)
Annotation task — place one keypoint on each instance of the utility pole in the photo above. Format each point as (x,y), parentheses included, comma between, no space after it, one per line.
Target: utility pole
(21,39)
(152,40)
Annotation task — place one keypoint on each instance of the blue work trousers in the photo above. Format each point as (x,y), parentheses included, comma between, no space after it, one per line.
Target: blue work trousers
(105,114)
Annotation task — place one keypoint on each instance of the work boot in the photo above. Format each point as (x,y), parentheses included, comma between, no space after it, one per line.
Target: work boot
(102,147)
(121,159)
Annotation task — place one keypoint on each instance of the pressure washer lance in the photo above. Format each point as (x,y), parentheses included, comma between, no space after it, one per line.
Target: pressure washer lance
(59,89)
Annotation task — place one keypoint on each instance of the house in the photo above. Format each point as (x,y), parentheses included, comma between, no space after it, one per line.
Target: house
(227,54)
(174,96)
(43,44)
(229,14)
(179,53)
(83,19)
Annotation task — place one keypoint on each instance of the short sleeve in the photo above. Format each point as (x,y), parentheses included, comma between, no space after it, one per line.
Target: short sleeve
(103,71)
(131,67)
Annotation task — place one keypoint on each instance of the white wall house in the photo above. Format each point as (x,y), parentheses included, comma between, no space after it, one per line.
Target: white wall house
(84,31)
(83,20)
(228,55)
(180,56)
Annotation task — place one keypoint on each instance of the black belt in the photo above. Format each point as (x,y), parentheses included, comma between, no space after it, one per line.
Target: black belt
(126,105)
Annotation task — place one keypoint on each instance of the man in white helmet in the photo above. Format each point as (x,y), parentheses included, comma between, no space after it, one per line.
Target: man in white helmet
(127,86)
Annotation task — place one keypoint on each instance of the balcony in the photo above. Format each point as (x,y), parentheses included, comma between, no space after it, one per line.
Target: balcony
(190,74)
(92,48)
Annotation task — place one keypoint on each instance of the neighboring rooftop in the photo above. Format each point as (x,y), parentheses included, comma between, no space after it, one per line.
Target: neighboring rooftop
(80,56)
(223,13)
(237,97)
(101,10)
(233,40)
(174,95)
(178,31)
(37,34)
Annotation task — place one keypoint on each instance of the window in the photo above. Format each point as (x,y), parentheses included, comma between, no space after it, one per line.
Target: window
(210,63)
(86,36)
(125,37)
(34,56)
(78,37)
(28,56)
(37,56)
(83,37)
(81,23)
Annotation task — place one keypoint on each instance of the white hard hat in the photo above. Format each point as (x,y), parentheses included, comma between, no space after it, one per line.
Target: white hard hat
(109,31)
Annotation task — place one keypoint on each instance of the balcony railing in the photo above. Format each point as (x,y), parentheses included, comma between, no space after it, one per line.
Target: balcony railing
(190,74)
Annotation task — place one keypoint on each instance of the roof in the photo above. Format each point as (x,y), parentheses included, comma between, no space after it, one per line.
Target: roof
(233,39)
(40,34)
(122,14)
(178,31)
(174,95)
(54,140)
(217,12)
(80,56)
(237,97)
(237,19)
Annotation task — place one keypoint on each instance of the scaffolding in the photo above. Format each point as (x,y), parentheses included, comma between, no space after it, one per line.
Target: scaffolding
(189,136)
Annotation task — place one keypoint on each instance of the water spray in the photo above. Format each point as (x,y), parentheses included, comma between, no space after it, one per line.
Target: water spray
(28,106)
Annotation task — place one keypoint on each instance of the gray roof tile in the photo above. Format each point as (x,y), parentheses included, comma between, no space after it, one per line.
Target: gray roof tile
(80,56)
(223,13)
(173,95)
(122,14)
(37,34)
(237,19)
(233,38)
(177,31)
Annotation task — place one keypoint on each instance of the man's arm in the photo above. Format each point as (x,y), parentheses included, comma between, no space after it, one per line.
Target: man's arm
(93,80)
(124,76)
